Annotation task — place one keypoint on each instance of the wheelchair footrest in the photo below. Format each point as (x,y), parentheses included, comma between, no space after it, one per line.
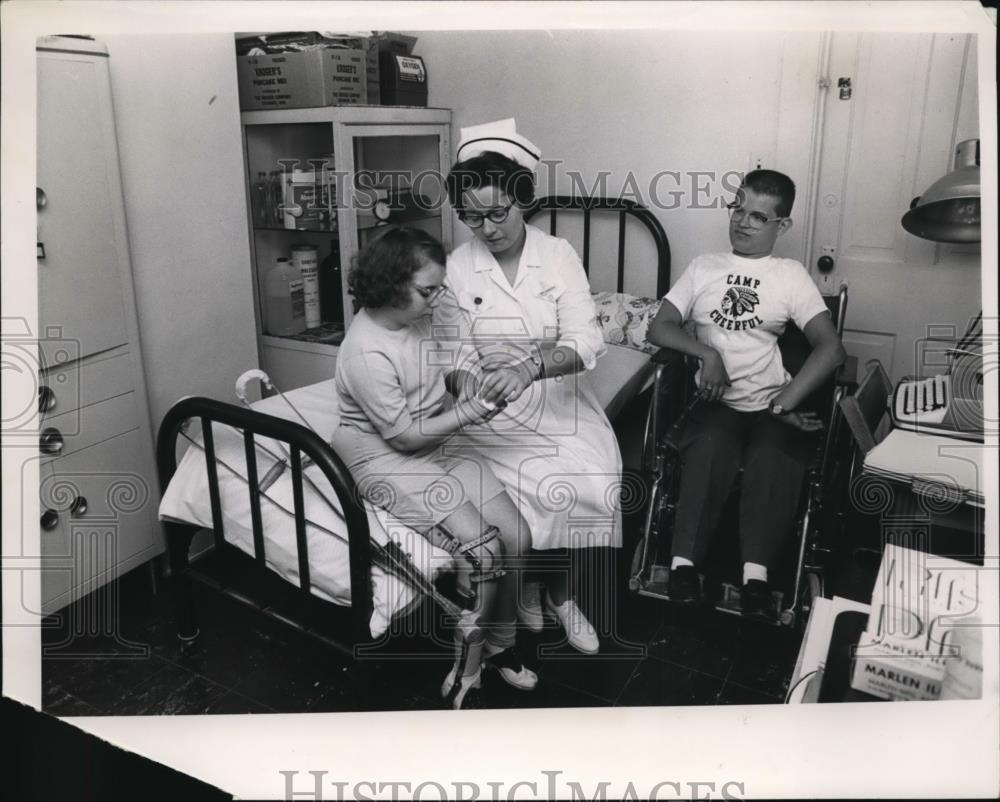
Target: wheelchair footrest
(729,602)
(655,582)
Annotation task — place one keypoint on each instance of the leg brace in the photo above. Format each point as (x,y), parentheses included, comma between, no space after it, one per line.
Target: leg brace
(484,554)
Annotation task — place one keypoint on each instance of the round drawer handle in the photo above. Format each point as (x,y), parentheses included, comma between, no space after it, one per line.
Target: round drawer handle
(50,441)
(50,520)
(79,507)
(46,398)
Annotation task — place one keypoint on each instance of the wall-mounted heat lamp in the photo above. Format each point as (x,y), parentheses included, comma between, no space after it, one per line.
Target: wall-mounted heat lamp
(949,210)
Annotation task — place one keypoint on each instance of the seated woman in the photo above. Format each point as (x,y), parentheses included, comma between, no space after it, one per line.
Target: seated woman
(397,436)
(520,312)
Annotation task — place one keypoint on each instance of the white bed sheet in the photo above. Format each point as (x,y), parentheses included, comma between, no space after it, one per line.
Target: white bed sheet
(187,499)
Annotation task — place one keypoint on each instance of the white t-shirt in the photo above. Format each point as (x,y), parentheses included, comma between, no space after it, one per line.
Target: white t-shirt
(739,307)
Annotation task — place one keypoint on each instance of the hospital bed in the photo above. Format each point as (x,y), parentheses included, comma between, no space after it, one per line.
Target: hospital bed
(292,535)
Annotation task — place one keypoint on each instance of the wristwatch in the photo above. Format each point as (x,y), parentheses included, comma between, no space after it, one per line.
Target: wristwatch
(535,360)
(776,409)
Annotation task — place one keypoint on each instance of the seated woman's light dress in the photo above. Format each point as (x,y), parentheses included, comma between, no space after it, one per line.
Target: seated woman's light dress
(386,381)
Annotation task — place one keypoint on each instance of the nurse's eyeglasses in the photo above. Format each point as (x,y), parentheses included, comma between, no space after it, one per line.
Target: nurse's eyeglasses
(754,219)
(475,220)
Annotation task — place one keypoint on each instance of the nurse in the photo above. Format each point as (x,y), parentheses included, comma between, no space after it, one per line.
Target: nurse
(522,324)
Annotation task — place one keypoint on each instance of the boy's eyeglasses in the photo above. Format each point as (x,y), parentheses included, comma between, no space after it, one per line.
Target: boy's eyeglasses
(429,293)
(475,220)
(754,219)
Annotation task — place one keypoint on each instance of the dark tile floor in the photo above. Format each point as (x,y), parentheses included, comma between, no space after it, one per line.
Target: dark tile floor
(99,662)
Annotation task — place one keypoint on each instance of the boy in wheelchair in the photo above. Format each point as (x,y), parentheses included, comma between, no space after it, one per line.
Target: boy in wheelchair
(749,413)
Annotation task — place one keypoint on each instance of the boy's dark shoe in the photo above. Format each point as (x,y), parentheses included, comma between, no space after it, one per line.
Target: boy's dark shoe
(757,601)
(684,586)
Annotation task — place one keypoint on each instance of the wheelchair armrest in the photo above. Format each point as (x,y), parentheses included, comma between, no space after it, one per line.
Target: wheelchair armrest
(666,356)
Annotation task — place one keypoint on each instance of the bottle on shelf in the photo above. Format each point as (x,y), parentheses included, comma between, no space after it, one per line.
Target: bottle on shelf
(284,300)
(275,204)
(304,258)
(260,201)
(331,292)
(328,191)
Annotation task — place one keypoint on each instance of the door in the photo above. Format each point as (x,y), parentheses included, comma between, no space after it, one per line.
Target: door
(895,107)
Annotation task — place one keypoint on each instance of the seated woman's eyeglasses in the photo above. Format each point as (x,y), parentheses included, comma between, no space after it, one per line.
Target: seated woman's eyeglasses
(755,219)
(475,220)
(429,293)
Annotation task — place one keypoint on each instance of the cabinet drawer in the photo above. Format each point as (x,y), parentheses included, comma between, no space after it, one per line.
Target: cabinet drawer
(78,385)
(90,542)
(92,424)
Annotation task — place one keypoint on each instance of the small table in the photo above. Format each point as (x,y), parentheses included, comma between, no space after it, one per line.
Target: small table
(927,491)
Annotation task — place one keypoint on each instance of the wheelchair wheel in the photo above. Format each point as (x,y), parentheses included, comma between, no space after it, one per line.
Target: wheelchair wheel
(637,565)
(812,589)
(645,548)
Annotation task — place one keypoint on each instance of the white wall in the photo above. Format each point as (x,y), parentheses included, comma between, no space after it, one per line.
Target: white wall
(178,126)
(640,102)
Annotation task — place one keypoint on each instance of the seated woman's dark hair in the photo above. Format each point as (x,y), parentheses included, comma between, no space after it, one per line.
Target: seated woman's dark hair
(491,169)
(382,270)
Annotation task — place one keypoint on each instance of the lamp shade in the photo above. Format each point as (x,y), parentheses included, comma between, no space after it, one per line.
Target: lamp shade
(949,210)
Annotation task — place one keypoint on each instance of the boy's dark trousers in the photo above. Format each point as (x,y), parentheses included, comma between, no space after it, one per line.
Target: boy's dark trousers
(715,442)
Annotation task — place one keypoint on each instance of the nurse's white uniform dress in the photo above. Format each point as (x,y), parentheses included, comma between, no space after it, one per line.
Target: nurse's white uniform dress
(553,448)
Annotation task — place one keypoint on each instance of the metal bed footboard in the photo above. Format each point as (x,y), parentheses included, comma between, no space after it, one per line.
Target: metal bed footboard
(301,442)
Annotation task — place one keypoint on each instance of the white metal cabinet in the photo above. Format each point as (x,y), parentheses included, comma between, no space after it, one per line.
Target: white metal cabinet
(98,488)
(78,184)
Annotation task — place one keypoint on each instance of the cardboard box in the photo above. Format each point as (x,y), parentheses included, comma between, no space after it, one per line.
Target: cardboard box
(917,601)
(370,45)
(398,43)
(322,77)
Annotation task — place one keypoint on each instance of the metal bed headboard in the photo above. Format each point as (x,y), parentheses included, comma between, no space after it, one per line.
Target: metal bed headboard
(553,204)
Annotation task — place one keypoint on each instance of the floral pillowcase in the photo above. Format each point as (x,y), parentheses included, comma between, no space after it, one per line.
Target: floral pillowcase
(624,319)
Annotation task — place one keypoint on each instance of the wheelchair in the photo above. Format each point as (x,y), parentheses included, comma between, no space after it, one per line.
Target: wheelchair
(801,576)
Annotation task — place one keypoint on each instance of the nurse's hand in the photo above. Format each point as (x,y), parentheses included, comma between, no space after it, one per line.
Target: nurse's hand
(475,410)
(504,384)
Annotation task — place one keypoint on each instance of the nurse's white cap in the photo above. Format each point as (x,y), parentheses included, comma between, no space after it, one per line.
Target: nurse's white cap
(501,137)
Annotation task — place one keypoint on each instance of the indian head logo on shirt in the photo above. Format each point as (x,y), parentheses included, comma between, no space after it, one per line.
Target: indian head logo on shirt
(739,299)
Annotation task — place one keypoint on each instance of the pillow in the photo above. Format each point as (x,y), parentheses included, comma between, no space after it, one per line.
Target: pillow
(624,319)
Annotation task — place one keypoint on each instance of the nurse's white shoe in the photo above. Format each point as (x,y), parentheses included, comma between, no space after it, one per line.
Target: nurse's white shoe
(579,631)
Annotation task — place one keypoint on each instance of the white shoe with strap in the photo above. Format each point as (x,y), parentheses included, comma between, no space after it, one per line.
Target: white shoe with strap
(579,631)
(510,666)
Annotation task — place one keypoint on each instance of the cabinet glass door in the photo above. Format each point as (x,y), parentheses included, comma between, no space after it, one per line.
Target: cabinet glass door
(396,180)
(291,169)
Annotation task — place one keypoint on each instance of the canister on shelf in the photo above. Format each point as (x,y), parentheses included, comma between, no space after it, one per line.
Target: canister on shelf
(285,303)
(302,208)
(304,257)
